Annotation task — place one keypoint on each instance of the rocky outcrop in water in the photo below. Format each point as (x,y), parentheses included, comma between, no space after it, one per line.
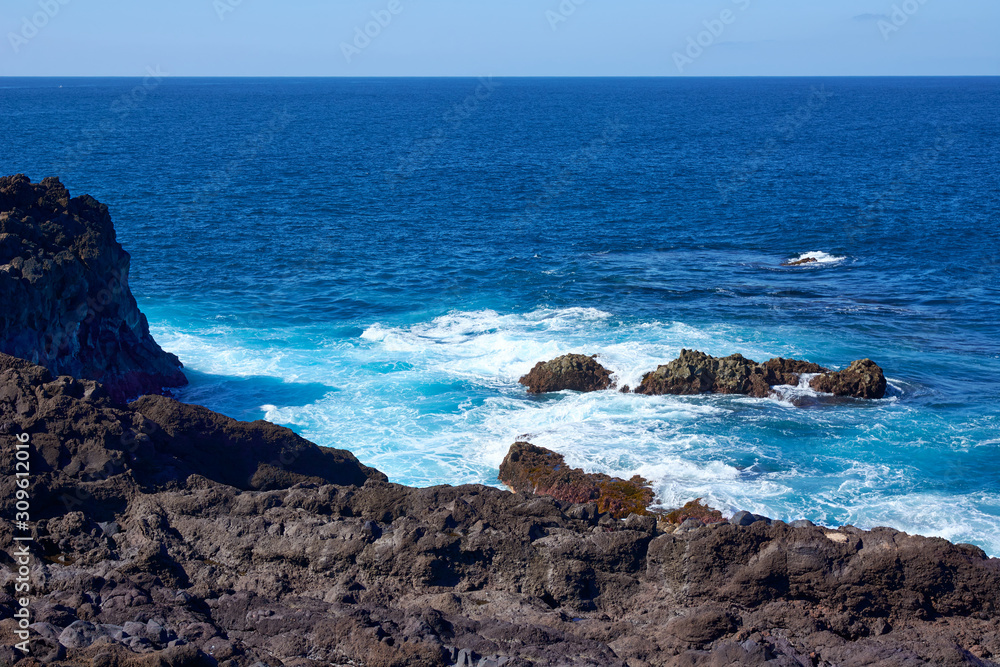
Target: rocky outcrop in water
(862,379)
(145,552)
(695,372)
(65,301)
(576,372)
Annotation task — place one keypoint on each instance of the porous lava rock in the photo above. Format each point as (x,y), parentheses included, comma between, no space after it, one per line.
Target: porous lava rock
(136,560)
(862,379)
(576,372)
(695,372)
(65,301)
(528,468)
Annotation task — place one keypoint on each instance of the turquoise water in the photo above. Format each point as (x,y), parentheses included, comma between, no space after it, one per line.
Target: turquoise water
(374,263)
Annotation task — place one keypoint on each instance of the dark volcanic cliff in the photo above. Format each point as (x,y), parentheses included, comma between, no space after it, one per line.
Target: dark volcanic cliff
(65,301)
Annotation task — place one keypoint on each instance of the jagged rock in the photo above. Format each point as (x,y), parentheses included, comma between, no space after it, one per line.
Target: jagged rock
(93,452)
(300,574)
(800,262)
(65,301)
(531,469)
(695,372)
(862,379)
(695,510)
(787,371)
(576,372)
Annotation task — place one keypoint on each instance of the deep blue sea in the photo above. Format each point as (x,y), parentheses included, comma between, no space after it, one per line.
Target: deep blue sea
(375,262)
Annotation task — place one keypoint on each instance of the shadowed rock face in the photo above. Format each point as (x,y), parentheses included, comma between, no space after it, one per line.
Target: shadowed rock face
(93,451)
(153,565)
(577,372)
(862,379)
(65,302)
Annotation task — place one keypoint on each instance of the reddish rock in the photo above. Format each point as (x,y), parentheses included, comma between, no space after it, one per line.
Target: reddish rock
(576,372)
(531,469)
(862,379)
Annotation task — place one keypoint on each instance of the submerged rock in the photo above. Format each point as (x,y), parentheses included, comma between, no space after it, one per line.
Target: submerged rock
(800,262)
(862,379)
(65,301)
(576,372)
(531,469)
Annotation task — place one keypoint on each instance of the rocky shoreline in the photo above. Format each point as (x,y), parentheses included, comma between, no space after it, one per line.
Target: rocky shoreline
(166,534)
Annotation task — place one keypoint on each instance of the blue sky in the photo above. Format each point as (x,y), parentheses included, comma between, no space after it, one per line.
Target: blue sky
(499,37)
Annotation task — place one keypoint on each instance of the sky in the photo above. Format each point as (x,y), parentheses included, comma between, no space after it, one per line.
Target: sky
(499,37)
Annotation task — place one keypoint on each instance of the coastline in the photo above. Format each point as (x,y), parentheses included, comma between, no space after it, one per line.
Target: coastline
(164,533)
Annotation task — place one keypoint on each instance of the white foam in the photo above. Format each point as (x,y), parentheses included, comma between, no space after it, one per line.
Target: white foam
(452,409)
(819,256)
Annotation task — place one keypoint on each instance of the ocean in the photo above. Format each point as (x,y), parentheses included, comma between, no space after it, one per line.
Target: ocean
(375,262)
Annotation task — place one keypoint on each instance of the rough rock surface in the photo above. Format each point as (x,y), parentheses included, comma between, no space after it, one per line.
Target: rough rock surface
(787,371)
(531,469)
(577,372)
(65,301)
(91,448)
(862,379)
(695,372)
(155,565)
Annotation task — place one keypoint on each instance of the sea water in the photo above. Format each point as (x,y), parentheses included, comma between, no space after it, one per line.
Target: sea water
(375,262)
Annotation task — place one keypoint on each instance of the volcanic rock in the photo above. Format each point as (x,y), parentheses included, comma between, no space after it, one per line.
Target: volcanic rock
(531,469)
(862,379)
(695,372)
(65,301)
(93,452)
(576,372)
(298,570)
(787,371)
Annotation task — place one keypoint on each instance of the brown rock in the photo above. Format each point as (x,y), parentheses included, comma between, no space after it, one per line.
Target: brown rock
(799,262)
(862,379)
(787,371)
(576,372)
(695,372)
(531,469)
